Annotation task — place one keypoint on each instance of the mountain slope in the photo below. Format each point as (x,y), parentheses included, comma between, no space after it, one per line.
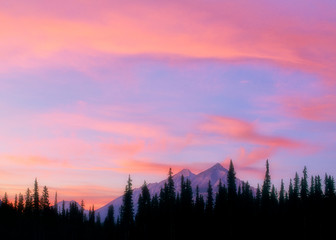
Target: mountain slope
(214,174)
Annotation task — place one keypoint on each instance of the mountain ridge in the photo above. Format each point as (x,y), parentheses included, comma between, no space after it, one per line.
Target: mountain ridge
(213,174)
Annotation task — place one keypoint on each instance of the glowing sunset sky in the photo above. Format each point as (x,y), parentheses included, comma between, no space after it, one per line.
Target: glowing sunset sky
(91,91)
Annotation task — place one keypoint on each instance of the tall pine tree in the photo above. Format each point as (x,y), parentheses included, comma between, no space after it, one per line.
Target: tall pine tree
(29,201)
(231,181)
(20,204)
(304,185)
(45,204)
(36,198)
(209,202)
(266,188)
(127,210)
(282,195)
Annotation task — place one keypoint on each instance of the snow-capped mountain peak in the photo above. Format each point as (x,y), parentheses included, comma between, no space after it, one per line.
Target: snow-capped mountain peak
(213,174)
(186,173)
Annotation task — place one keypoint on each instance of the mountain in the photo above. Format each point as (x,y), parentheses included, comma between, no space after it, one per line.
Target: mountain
(67,206)
(214,174)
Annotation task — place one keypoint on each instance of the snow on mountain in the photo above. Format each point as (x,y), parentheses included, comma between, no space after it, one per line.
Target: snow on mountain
(214,174)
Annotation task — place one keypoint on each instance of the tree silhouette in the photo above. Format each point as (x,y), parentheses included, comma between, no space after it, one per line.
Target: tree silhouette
(266,188)
(29,201)
(20,206)
(209,201)
(55,204)
(231,181)
(179,217)
(127,210)
(36,198)
(282,195)
(304,186)
(296,191)
(45,204)
(144,210)
(5,199)
(199,203)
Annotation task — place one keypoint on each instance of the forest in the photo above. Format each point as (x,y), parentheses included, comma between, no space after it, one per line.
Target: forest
(305,210)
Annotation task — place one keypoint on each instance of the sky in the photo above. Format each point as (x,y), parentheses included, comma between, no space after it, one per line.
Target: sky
(92,91)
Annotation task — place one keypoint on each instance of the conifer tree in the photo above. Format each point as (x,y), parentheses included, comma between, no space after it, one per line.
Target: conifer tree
(144,204)
(109,220)
(4,200)
(155,205)
(318,188)
(199,203)
(239,194)
(209,202)
(63,209)
(56,203)
(221,198)
(312,188)
(144,211)
(29,201)
(329,184)
(155,201)
(127,211)
(20,204)
(296,192)
(266,188)
(92,215)
(98,220)
(282,195)
(274,197)
(186,195)
(170,188)
(15,202)
(290,191)
(304,185)
(246,191)
(82,210)
(45,204)
(231,181)
(36,198)
(258,196)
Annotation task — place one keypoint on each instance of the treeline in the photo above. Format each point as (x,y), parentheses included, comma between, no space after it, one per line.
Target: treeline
(306,210)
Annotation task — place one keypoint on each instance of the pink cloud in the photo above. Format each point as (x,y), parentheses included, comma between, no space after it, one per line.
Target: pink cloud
(311,108)
(144,136)
(279,33)
(130,149)
(240,130)
(33,161)
(79,121)
(255,146)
